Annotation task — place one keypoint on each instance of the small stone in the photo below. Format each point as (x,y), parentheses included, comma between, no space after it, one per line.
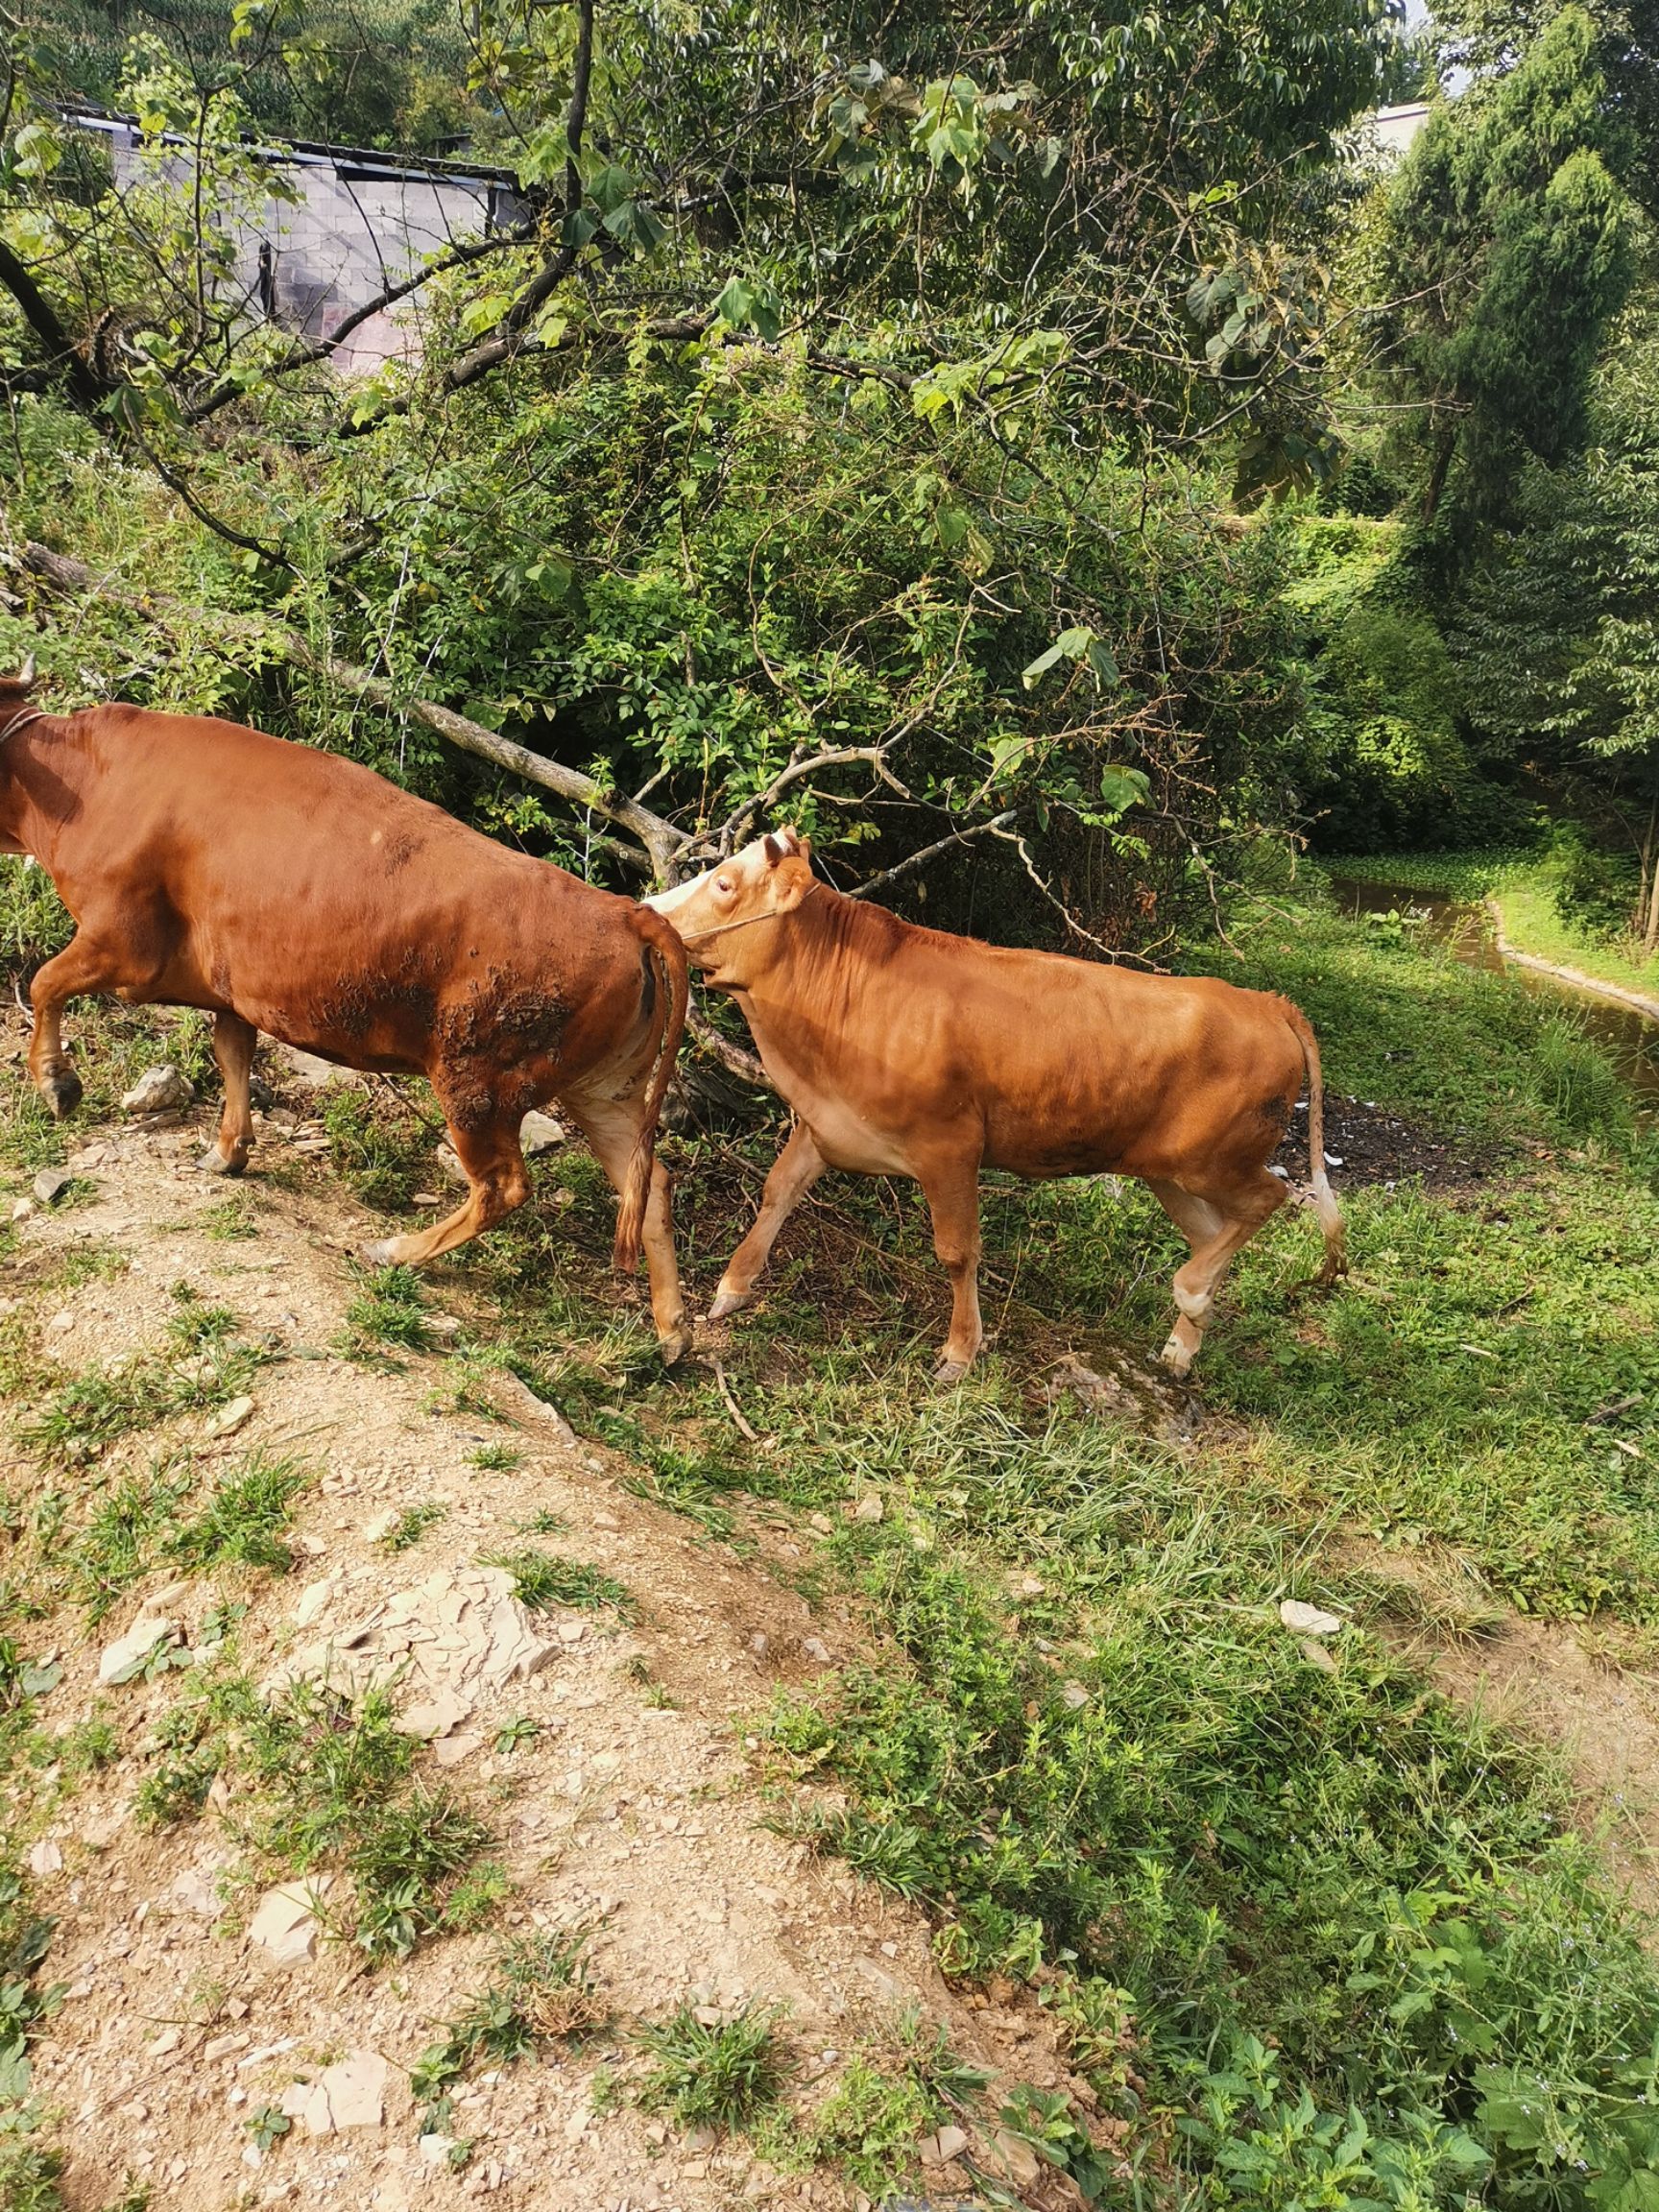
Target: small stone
(49,1185)
(816,1649)
(572,1631)
(356,2091)
(1307,1620)
(219,2047)
(1073,1697)
(760,1644)
(124,1659)
(450,1751)
(870,1508)
(435,2150)
(166,2042)
(538,1133)
(45,1857)
(1019,2162)
(605,1521)
(22,1209)
(952,2142)
(236,1414)
(377,1530)
(160,1091)
(193,1892)
(314,1601)
(286,1926)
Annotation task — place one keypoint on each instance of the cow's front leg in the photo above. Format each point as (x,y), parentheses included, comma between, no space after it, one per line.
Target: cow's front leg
(794,1171)
(82,966)
(953,1199)
(233,1043)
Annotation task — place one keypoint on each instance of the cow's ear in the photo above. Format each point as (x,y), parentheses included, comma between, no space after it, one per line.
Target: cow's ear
(775,849)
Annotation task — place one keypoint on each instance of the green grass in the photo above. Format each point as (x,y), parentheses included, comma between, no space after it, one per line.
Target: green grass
(390,1310)
(540,1989)
(324,1785)
(199,1366)
(542,1580)
(725,2075)
(412,1524)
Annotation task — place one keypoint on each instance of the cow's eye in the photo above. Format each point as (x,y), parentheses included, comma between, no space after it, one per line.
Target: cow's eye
(722,883)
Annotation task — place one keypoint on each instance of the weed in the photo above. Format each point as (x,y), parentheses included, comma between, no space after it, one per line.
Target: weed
(868,2128)
(514,1734)
(122,1538)
(496,1459)
(268,2126)
(543,1523)
(239,1524)
(723,2075)
(381,1144)
(88,1747)
(540,1989)
(176,1790)
(412,1524)
(389,1310)
(198,1369)
(542,1580)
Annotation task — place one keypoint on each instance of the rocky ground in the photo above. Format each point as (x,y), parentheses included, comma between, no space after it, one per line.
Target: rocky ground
(623,1798)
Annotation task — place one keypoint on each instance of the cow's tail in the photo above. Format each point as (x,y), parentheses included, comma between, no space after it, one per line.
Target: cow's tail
(667,956)
(1325,1204)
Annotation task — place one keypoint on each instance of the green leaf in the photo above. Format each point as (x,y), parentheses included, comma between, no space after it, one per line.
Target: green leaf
(1070,646)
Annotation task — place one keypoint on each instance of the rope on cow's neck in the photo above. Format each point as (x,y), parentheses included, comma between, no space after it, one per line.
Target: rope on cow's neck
(23,720)
(720,929)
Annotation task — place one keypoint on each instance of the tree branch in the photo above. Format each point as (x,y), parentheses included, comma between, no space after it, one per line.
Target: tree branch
(68,364)
(915,860)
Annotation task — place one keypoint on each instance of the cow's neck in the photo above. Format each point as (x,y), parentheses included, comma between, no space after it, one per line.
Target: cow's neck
(39,763)
(806,977)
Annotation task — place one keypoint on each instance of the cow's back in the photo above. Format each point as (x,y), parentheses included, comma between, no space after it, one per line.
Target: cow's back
(900,1034)
(320,902)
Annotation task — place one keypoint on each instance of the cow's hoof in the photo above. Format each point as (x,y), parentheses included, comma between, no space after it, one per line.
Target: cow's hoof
(214,1163)
(382,1253)
(675,1345)
(949,1370)
(1177,1359)
(726,1303)
(61,1093)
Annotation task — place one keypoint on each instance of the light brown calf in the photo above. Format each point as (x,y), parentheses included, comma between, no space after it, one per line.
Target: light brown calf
(906,1051)
(289,890)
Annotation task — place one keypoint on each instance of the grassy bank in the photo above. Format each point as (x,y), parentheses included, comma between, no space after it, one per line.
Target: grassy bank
(1317,1938)
(1522,886)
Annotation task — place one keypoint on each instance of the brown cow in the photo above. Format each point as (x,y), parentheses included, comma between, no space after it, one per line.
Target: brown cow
(904,1051)
(289,890)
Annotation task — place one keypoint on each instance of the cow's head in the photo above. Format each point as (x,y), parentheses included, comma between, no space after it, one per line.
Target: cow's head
(726,914)
(15,690)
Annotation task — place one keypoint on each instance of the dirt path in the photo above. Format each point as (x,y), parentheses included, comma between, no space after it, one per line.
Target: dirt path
(631,1810)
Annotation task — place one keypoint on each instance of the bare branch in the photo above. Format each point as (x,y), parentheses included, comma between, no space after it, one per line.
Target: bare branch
(908,867)
(67,364)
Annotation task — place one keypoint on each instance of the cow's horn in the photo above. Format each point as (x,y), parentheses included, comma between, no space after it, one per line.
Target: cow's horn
(26,674)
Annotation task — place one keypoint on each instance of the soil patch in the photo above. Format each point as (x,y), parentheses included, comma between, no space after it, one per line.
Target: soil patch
(1365,1143)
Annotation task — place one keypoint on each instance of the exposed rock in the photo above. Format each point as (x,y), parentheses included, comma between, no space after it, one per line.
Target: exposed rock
(816,1649)
(234,1415)
(352,2093)
(49,1185)
(538,1133)
(314,1601)
(21,1209)
(377,1532)
(869,1507)
(1307,1620)
(519,1403)
(45,1857)
(194,1892)
(310,1071)
(454,1639)
(160,1090)
(286,1924)
(124,1659)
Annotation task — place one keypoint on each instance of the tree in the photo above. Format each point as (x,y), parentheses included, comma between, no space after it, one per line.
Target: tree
(1505,252)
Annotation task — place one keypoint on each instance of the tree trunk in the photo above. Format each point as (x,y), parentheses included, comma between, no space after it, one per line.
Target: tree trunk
(1443,454)
(1650,880)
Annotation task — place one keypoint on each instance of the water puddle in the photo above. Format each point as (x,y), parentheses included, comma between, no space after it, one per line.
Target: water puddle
(1464,928)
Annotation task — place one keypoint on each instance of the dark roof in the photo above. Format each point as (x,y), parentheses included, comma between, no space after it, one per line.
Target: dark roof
(360,161)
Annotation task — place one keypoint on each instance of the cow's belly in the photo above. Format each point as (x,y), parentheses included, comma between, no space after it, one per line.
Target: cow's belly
(850,1142)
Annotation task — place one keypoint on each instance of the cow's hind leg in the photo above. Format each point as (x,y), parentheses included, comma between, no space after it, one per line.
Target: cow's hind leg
(233,1043)
(794,1171)
(952,1190)
(613,1127)
(500,1183)
(1238,1215)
